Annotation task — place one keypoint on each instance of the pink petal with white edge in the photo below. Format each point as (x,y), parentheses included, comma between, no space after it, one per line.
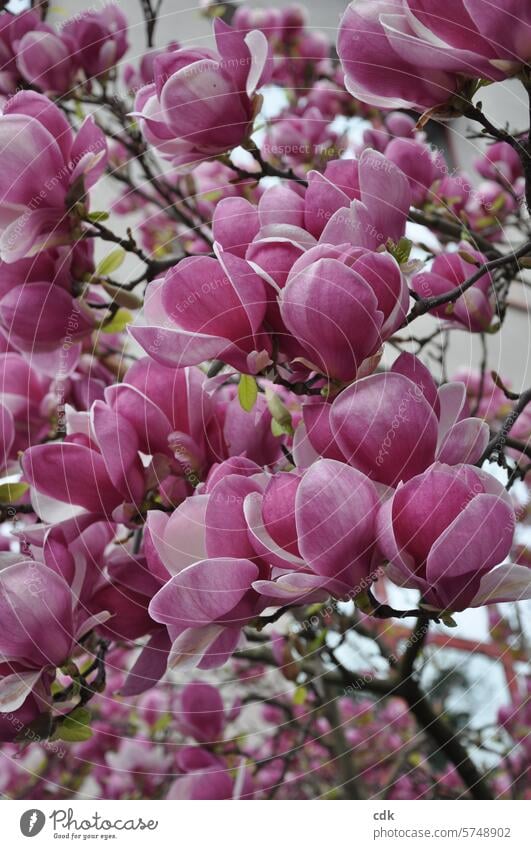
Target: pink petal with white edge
(15,689)
(465,442)
(336,508)
(262,541)
(149,667)
(509,582)
(386,193)
(294,587)
(221,649)
(478,539)
(179,540)
(203,593)
(190,646)
(452,401)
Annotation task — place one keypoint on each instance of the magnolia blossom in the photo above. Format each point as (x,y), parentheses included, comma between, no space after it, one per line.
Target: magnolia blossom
(98,38)
(317,530)
(474,309)
(202,714)
(38,310)
(206,308)
(41,626)
(444,531)
(202,103)
(341,305)
(393,425)
(399,53)
(46,170)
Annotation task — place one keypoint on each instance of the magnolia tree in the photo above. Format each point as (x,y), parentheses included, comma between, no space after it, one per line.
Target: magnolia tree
(242,501)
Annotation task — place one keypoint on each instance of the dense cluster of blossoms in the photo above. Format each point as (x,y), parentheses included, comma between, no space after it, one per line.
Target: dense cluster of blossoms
(223,437)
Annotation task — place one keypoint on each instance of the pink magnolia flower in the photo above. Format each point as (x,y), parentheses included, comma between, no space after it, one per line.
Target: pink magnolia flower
(157,415)
(299,140)
(407,54)
(41,627)
(46,59)
(206,308)
(500,162)
(138,76)
(207,776)
(38,311)
(362,201)
(210,597)
(98,37)
(341,304)
(474,309)
(393,425)
(317,531)
(201,713)
(416,161)
(375,72)
(13,32)
(489,205)
(202,103)
(46,169)
(22,392)
(444,531)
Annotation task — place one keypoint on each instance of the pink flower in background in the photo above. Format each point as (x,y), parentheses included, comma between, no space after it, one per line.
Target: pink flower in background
(98,38)
(22,419)
(46,60)
(47,169)
(38,311)
(201,713)
(500,162)
(474,309)
(202,103)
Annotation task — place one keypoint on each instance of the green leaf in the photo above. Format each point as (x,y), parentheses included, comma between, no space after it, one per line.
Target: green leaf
(75,728)
(448,620)
(118,322)
(299,696)
(281,416)
(11,492)
(400,251)
(111,262)
(468,258)
(247,392)
(98,216)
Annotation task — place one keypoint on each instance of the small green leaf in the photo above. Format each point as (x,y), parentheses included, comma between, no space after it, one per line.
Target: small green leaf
(401,250)
(468,258)
(80,112)
(247,392)
(118,322)
(11,492)
(299,696)
(98,215)
(281,416)
(75,728)
(448,620)
(111,262)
